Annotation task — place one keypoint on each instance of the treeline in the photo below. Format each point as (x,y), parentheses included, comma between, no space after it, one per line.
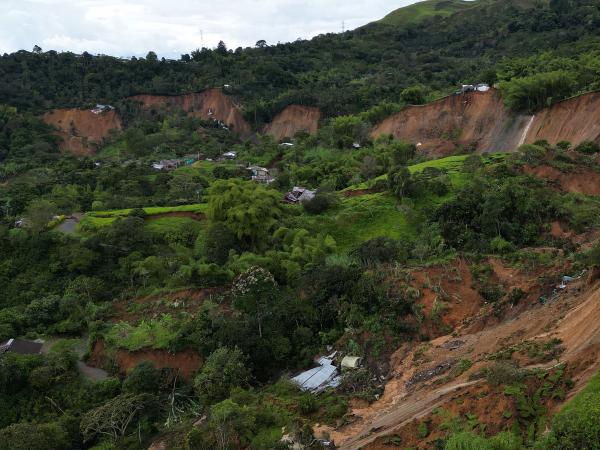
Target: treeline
(341,73)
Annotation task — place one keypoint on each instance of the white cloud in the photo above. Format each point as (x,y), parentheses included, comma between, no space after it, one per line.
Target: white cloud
(172,27)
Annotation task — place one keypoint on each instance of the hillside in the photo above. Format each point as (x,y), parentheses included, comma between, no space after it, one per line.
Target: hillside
(416,13)
(338,73)
(321,244)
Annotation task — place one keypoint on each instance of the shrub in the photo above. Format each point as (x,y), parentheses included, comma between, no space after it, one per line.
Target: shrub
(379,250)
(27,436)
(504,373)
(414,95)
(500,245)
(142,378)
(576,426)
(532,154)
(563,145)
(472,441)
(588,148)
(224,369)
(320,203)
(138,212)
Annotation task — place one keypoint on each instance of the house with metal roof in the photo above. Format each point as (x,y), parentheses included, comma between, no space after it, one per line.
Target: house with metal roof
(21,347)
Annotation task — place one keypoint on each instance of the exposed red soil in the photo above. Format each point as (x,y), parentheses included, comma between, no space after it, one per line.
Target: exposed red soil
(573,317)
(210,104)
(293,119)
(81,130)
(452,286)
(477,118)
(581,180)
(575,120)
(186,362)
(487,403)
(480,119)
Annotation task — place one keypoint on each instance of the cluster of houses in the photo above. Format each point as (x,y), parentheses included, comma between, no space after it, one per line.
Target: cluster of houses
(172,164)
(259,174)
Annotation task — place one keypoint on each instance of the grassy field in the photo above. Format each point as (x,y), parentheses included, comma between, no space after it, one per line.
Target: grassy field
(358,219)
(416,13)
(452,165)
(171,224)
(103,218)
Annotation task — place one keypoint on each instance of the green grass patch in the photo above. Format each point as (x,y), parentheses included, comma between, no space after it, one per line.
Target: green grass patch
(153,333)
(453,165)
(359,219)
(104,218)
(418,12)
(171,224)
(582,399)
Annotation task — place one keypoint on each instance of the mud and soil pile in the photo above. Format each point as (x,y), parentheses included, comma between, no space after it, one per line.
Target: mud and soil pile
(81,130)
(210,104)
(293,119)
(571,317)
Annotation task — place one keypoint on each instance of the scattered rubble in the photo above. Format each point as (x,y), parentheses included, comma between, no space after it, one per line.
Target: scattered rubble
(428,374)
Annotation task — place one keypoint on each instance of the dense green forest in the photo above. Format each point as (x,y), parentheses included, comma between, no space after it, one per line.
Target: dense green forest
(203,261)
(341,73)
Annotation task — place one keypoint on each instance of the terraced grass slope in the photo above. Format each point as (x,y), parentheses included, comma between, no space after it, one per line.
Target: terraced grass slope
(416,13)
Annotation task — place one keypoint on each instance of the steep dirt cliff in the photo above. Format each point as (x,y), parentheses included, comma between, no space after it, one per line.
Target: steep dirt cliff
(474,119)
(293,119)
(81,130)
(575,120)
(479,119)
(210,104)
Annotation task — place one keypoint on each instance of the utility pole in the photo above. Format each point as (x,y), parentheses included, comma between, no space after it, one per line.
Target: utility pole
(343,26)
(201,39)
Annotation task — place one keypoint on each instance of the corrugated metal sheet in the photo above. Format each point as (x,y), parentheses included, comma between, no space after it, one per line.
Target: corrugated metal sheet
(319,378)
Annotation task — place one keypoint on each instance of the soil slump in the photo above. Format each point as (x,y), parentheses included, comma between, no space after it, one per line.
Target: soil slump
(293,119)
(81,130)
(480,120)
(210,104)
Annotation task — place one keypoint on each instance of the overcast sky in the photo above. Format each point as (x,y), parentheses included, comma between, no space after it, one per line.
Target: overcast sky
(172,27)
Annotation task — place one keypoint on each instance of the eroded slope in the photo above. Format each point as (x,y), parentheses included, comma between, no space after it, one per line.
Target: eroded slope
(81,130)
(210,104)
(293,119)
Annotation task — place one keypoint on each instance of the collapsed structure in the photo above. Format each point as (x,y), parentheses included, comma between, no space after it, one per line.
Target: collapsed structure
(299,195)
